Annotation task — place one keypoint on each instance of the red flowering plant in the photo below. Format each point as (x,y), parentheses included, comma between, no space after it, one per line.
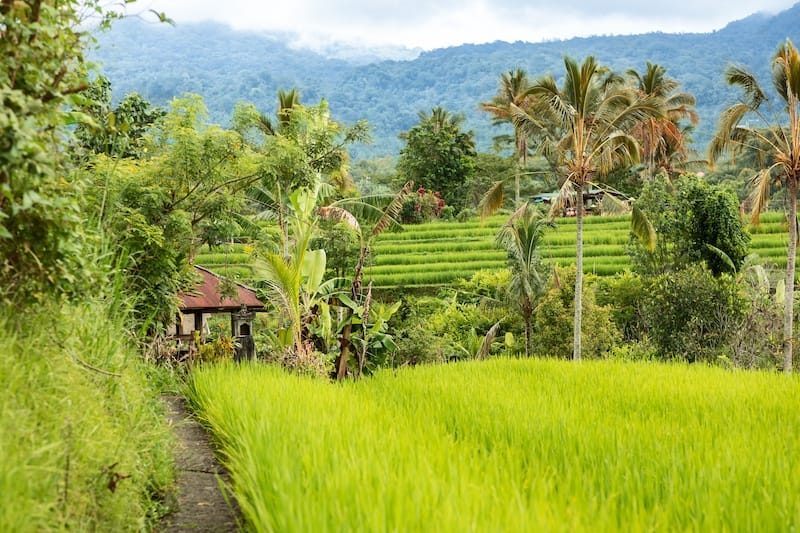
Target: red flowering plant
(424,206)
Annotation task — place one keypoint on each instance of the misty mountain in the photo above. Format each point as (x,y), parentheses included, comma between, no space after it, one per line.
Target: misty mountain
(226,66)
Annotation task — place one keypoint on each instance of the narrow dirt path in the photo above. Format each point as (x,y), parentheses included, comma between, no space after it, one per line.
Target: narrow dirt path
(202,506)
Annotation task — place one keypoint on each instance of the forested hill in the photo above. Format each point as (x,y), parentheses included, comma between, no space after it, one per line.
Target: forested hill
(226,66)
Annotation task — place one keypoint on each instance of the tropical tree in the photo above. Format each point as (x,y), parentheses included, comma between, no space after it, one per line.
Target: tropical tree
(42,73)
(521,237)
(159,209)
(304,147)
(777,143)
(438,156)
(115,131)
(662,139)
(384,220)
(595,112)
(292,281)
(513,89)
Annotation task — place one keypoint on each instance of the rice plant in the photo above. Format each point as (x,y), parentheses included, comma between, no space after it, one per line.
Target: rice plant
(510,445)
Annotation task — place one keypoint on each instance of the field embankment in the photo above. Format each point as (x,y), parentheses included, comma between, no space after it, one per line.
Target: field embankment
(510,445)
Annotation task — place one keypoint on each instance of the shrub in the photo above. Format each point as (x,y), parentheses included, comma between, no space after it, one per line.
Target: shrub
(552,329)
(624,294)
(422,207)
(690,313)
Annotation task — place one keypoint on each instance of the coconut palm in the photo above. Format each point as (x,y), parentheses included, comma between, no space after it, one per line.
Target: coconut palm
(521,237)
(287,100)
(662,139)
(777,141)
(513,89)
(595,112)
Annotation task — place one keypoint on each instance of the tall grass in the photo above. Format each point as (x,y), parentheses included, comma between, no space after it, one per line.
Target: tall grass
(83,444)
(510,445)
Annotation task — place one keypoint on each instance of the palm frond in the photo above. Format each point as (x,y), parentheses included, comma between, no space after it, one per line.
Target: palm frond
(492,200)
(786,71)
(339,214)
(759,193)
(727,129)
(565,198)
(754,95)
(488,340)
(613,206)
(392,211)
(643,229)
(725,258)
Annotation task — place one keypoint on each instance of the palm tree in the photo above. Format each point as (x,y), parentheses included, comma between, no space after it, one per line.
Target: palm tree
(778,143)
(287,100)
(595,112)
(513,89)
(662,139)
(521,237)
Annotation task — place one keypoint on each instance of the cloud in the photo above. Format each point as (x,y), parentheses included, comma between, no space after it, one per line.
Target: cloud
(438,23)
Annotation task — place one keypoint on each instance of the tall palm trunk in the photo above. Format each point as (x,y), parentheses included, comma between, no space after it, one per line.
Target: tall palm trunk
(528,334)
(788,311)
(576,339)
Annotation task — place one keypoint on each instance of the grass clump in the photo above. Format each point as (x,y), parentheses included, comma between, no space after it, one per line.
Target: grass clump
(82,437)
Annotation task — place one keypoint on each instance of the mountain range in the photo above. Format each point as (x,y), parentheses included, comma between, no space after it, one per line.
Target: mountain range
(225,66)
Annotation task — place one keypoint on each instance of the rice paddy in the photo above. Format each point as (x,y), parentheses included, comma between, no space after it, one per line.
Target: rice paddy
(439,253)
(510,445)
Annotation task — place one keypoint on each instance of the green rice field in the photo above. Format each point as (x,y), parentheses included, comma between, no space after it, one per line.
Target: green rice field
(439,253)
(510,445)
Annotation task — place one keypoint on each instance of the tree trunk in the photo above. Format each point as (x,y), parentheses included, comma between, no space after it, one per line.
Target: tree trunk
(355,295)
(788,310)
(344,355)
(516,184)
(576,324)
(528,335)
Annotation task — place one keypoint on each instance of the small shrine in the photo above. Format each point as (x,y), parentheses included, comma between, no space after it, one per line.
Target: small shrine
(213,295)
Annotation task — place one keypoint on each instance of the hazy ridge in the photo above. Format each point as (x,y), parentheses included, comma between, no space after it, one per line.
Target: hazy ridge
(226,66)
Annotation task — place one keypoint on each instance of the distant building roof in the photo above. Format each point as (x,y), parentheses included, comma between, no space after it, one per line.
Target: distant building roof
(207,297)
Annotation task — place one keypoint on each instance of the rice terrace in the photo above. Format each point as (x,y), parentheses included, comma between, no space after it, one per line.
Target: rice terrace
(249,283)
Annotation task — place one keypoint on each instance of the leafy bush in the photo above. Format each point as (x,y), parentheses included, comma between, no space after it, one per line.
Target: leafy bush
(624,294)
(424,206)
(690,313)
(552,330)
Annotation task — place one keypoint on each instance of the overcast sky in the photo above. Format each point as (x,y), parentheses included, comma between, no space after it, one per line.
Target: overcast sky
(429,24)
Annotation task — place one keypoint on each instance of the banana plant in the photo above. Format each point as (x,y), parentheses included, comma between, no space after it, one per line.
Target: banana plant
(386,220)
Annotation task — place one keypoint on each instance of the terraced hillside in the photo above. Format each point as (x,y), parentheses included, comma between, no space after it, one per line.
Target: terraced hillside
(440,252)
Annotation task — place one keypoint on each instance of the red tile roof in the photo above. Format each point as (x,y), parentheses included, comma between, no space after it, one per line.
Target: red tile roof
(206,295)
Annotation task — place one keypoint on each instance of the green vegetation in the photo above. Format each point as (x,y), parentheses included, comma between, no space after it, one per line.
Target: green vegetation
(82,435)
(83,442)
(775,147)
(105,208)
(448,251)
(509,445)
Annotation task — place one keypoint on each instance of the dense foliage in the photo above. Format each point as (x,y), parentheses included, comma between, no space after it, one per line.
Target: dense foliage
(41,71)
(438,155)
(83,442)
